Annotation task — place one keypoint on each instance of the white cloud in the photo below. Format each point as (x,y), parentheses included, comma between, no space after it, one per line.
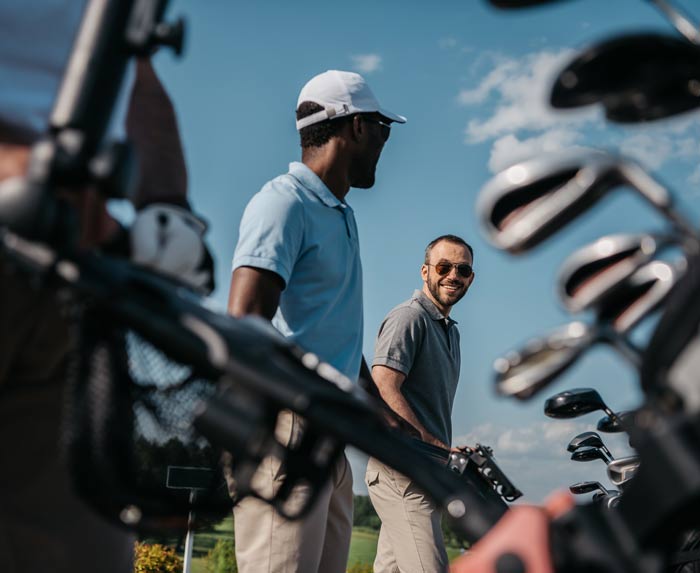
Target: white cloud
(513,114)
(366,63)
(520,88)
(650,150)
(508,149)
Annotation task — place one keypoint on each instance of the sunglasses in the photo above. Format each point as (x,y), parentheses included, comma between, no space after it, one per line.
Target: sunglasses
(385,128)
(463,269)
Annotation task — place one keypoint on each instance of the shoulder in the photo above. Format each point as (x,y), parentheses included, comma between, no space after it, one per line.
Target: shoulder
(408,313)
(277,197)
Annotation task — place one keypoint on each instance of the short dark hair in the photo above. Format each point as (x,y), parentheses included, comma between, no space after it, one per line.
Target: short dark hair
(318,134)
(450,239)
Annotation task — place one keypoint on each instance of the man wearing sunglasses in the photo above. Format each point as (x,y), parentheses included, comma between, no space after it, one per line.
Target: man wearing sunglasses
(297,263)
(416,369)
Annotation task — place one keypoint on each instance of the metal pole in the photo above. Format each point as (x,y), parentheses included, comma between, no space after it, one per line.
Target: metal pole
(189,540)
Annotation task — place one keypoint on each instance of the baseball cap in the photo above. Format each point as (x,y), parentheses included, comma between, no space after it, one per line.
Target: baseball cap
(341,94)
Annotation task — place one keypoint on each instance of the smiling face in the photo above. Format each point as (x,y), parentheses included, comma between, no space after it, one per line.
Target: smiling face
(446,290)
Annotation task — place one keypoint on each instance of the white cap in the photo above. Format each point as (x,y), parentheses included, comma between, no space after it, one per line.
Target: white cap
(340,93)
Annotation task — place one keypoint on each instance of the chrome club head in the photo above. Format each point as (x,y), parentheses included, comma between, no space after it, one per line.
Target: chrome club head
(522,373)
(588,439)
(593,271)
(583,487)
(588,455)
(621,470)
(528,202)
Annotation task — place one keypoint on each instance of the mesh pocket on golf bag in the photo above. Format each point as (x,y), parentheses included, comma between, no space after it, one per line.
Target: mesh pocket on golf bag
(128,419)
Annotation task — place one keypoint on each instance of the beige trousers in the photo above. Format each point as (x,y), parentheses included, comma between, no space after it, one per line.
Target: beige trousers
(318,543)
(410,538)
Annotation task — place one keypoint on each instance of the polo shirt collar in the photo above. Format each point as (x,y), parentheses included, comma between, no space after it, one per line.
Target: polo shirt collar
(430,307)
(314,184)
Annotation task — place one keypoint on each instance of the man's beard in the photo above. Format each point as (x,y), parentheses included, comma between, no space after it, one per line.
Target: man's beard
(445,299)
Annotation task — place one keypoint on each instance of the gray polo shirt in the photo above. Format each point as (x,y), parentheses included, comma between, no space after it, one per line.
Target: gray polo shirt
(418,341)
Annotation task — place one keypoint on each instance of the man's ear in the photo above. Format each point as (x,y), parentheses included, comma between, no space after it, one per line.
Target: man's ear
(471,279)
(424,273)
(357,127)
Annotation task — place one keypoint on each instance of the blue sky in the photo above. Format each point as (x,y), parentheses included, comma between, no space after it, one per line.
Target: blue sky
(472,82)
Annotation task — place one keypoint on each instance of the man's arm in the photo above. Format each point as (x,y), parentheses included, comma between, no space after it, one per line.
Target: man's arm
(254,291)
(388,382)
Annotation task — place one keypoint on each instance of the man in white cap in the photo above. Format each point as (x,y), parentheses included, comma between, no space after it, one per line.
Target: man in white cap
(297,263)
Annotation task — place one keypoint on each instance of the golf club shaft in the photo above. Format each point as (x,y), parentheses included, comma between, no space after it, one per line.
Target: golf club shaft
(679,21)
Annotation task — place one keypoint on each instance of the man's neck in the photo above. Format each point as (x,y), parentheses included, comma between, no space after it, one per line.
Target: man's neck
(330,167)
(443,309)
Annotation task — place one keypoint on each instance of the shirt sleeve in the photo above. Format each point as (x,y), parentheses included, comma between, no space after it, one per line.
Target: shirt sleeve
(399,340)
(271,233)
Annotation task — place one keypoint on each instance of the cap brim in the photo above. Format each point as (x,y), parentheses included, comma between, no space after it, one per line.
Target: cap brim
(392,116)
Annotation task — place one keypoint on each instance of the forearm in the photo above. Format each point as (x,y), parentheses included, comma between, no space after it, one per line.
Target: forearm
(151,124)
(395,400)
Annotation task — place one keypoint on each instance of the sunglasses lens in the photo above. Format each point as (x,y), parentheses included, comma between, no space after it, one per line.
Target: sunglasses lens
(464,270)
(443,268)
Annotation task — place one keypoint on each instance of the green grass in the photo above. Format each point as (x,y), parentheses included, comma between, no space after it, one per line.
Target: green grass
(363,545)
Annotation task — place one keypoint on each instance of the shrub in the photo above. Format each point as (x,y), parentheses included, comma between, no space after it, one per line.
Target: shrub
(222,558)
(156,558)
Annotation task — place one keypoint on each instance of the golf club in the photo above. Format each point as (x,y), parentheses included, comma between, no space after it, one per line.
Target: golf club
(621,470)
(589,454)
(528,202)
(574,403)
(588,439)
(674,15)
(636,78)
(593,271)
(615,424)
(524,372)
(583,487)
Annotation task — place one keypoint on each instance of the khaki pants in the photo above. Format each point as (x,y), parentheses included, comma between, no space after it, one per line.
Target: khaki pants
(318,543)
(44,527)
(410,538)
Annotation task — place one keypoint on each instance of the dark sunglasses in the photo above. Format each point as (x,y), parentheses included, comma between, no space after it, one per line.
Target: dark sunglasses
(385,128)
(463,269)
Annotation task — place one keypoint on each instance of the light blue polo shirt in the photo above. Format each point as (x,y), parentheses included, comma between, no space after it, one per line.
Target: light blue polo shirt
(295,227)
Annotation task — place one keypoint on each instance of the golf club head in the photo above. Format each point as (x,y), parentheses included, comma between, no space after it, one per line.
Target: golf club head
(587,487)
(524,372)
(593,271)
(584,440)
(639,295)
(636,77)
(615,425)
(573,403)
(528,202)
(609,499)
(621,470)
(588,455)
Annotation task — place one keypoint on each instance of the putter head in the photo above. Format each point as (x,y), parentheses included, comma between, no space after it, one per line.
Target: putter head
(589,274)
(587,487)
(639,295)
(573,403)
(585,440)
(621,470)
(636,77)
(609,425)
(588,455)
(528,202)
(524,372)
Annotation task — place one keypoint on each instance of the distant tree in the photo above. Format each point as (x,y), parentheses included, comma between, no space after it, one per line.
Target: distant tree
(452,537)
(364,514)
(156,558)
(222,558)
